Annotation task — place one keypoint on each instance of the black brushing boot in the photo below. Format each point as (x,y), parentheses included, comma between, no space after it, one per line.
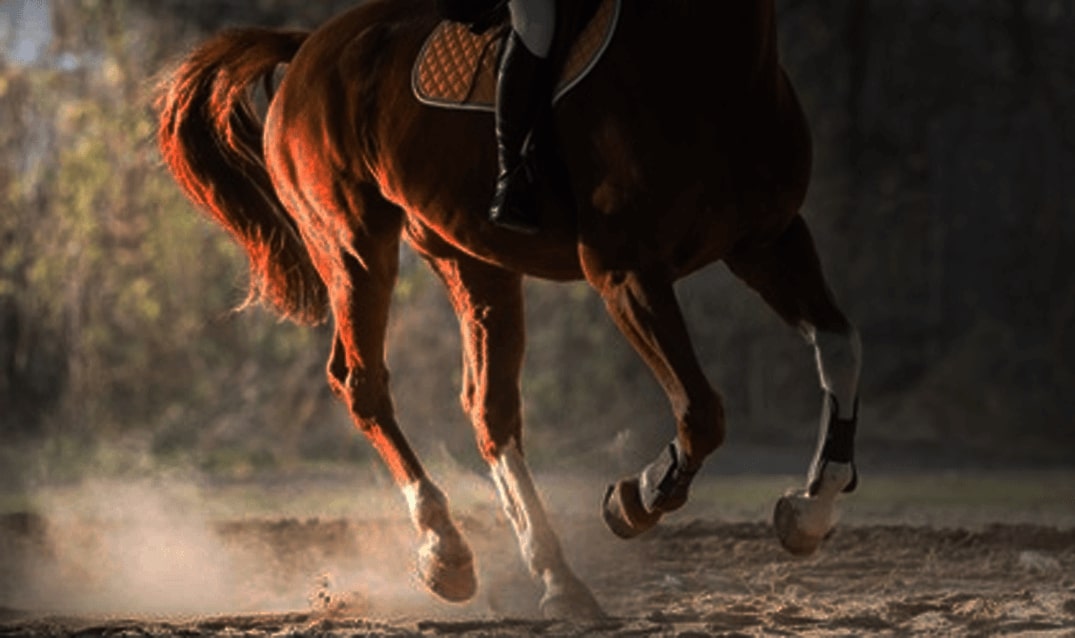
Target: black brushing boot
(522,93)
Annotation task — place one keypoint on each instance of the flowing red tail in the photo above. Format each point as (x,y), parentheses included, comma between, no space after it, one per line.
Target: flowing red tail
(210,136)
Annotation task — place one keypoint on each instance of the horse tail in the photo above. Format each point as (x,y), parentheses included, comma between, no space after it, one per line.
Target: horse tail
(210,135)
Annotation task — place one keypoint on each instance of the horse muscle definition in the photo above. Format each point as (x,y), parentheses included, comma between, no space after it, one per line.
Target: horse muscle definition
(685,146)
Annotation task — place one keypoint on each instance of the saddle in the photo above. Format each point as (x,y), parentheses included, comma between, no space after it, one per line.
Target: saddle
(456,67)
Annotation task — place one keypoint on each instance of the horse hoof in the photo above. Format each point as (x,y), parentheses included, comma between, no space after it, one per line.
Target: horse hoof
(623,511)
(448,574)
(792,526)
(572,601)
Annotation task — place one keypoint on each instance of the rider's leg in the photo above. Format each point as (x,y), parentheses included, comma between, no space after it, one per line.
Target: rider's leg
(523,91)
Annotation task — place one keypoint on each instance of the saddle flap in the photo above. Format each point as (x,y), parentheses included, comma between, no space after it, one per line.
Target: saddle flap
(456,68)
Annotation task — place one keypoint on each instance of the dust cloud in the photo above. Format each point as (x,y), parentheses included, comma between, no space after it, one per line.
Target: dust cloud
(181,547)
(112,547)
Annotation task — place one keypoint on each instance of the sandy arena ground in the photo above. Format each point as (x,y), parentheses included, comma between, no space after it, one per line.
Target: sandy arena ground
(994,567)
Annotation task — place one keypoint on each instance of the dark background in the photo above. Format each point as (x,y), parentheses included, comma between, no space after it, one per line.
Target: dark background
(943,205)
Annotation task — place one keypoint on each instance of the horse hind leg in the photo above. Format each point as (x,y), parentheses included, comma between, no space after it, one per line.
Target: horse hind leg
(645,309)
(803,518)
(489,304)
(359,377)
(788,275)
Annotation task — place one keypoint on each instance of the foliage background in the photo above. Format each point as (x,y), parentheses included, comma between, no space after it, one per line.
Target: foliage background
(943,205)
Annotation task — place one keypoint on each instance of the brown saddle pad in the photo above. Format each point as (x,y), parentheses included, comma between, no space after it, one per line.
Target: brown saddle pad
(457,68)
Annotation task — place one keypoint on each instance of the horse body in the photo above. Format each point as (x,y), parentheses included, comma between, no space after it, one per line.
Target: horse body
(657,181)
(658,106)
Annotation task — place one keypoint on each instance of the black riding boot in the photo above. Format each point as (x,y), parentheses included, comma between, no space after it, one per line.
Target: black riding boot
(522,93)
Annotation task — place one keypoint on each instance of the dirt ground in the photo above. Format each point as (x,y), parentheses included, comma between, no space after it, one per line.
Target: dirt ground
(695,575)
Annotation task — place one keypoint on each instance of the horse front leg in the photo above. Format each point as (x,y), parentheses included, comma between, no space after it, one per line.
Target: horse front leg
(359,377)
(644,307)
(489,304)
(788,275)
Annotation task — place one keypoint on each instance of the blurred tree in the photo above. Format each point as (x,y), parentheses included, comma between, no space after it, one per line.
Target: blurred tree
(114,297)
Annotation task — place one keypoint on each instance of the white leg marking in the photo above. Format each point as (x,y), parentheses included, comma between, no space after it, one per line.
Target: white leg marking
(537,541)
(427,504)
(838,358)
(565,595)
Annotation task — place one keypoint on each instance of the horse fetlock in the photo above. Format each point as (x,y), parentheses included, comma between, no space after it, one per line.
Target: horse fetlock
(634,505)
(428,505)
(702,428)
(832,479)
(838,432)
(664,484)
(623,512)
(834,460)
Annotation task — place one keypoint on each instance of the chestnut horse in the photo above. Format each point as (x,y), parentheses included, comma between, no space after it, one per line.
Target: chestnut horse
(685,146)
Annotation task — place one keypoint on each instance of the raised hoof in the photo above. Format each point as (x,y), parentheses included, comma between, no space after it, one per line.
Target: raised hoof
(795,534)
(623,511)
(572,601)
(449,575)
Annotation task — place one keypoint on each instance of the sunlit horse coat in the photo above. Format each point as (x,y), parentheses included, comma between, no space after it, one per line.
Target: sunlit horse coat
(684,147)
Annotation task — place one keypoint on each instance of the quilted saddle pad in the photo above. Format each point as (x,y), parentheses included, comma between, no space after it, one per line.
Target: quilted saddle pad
(456,68)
